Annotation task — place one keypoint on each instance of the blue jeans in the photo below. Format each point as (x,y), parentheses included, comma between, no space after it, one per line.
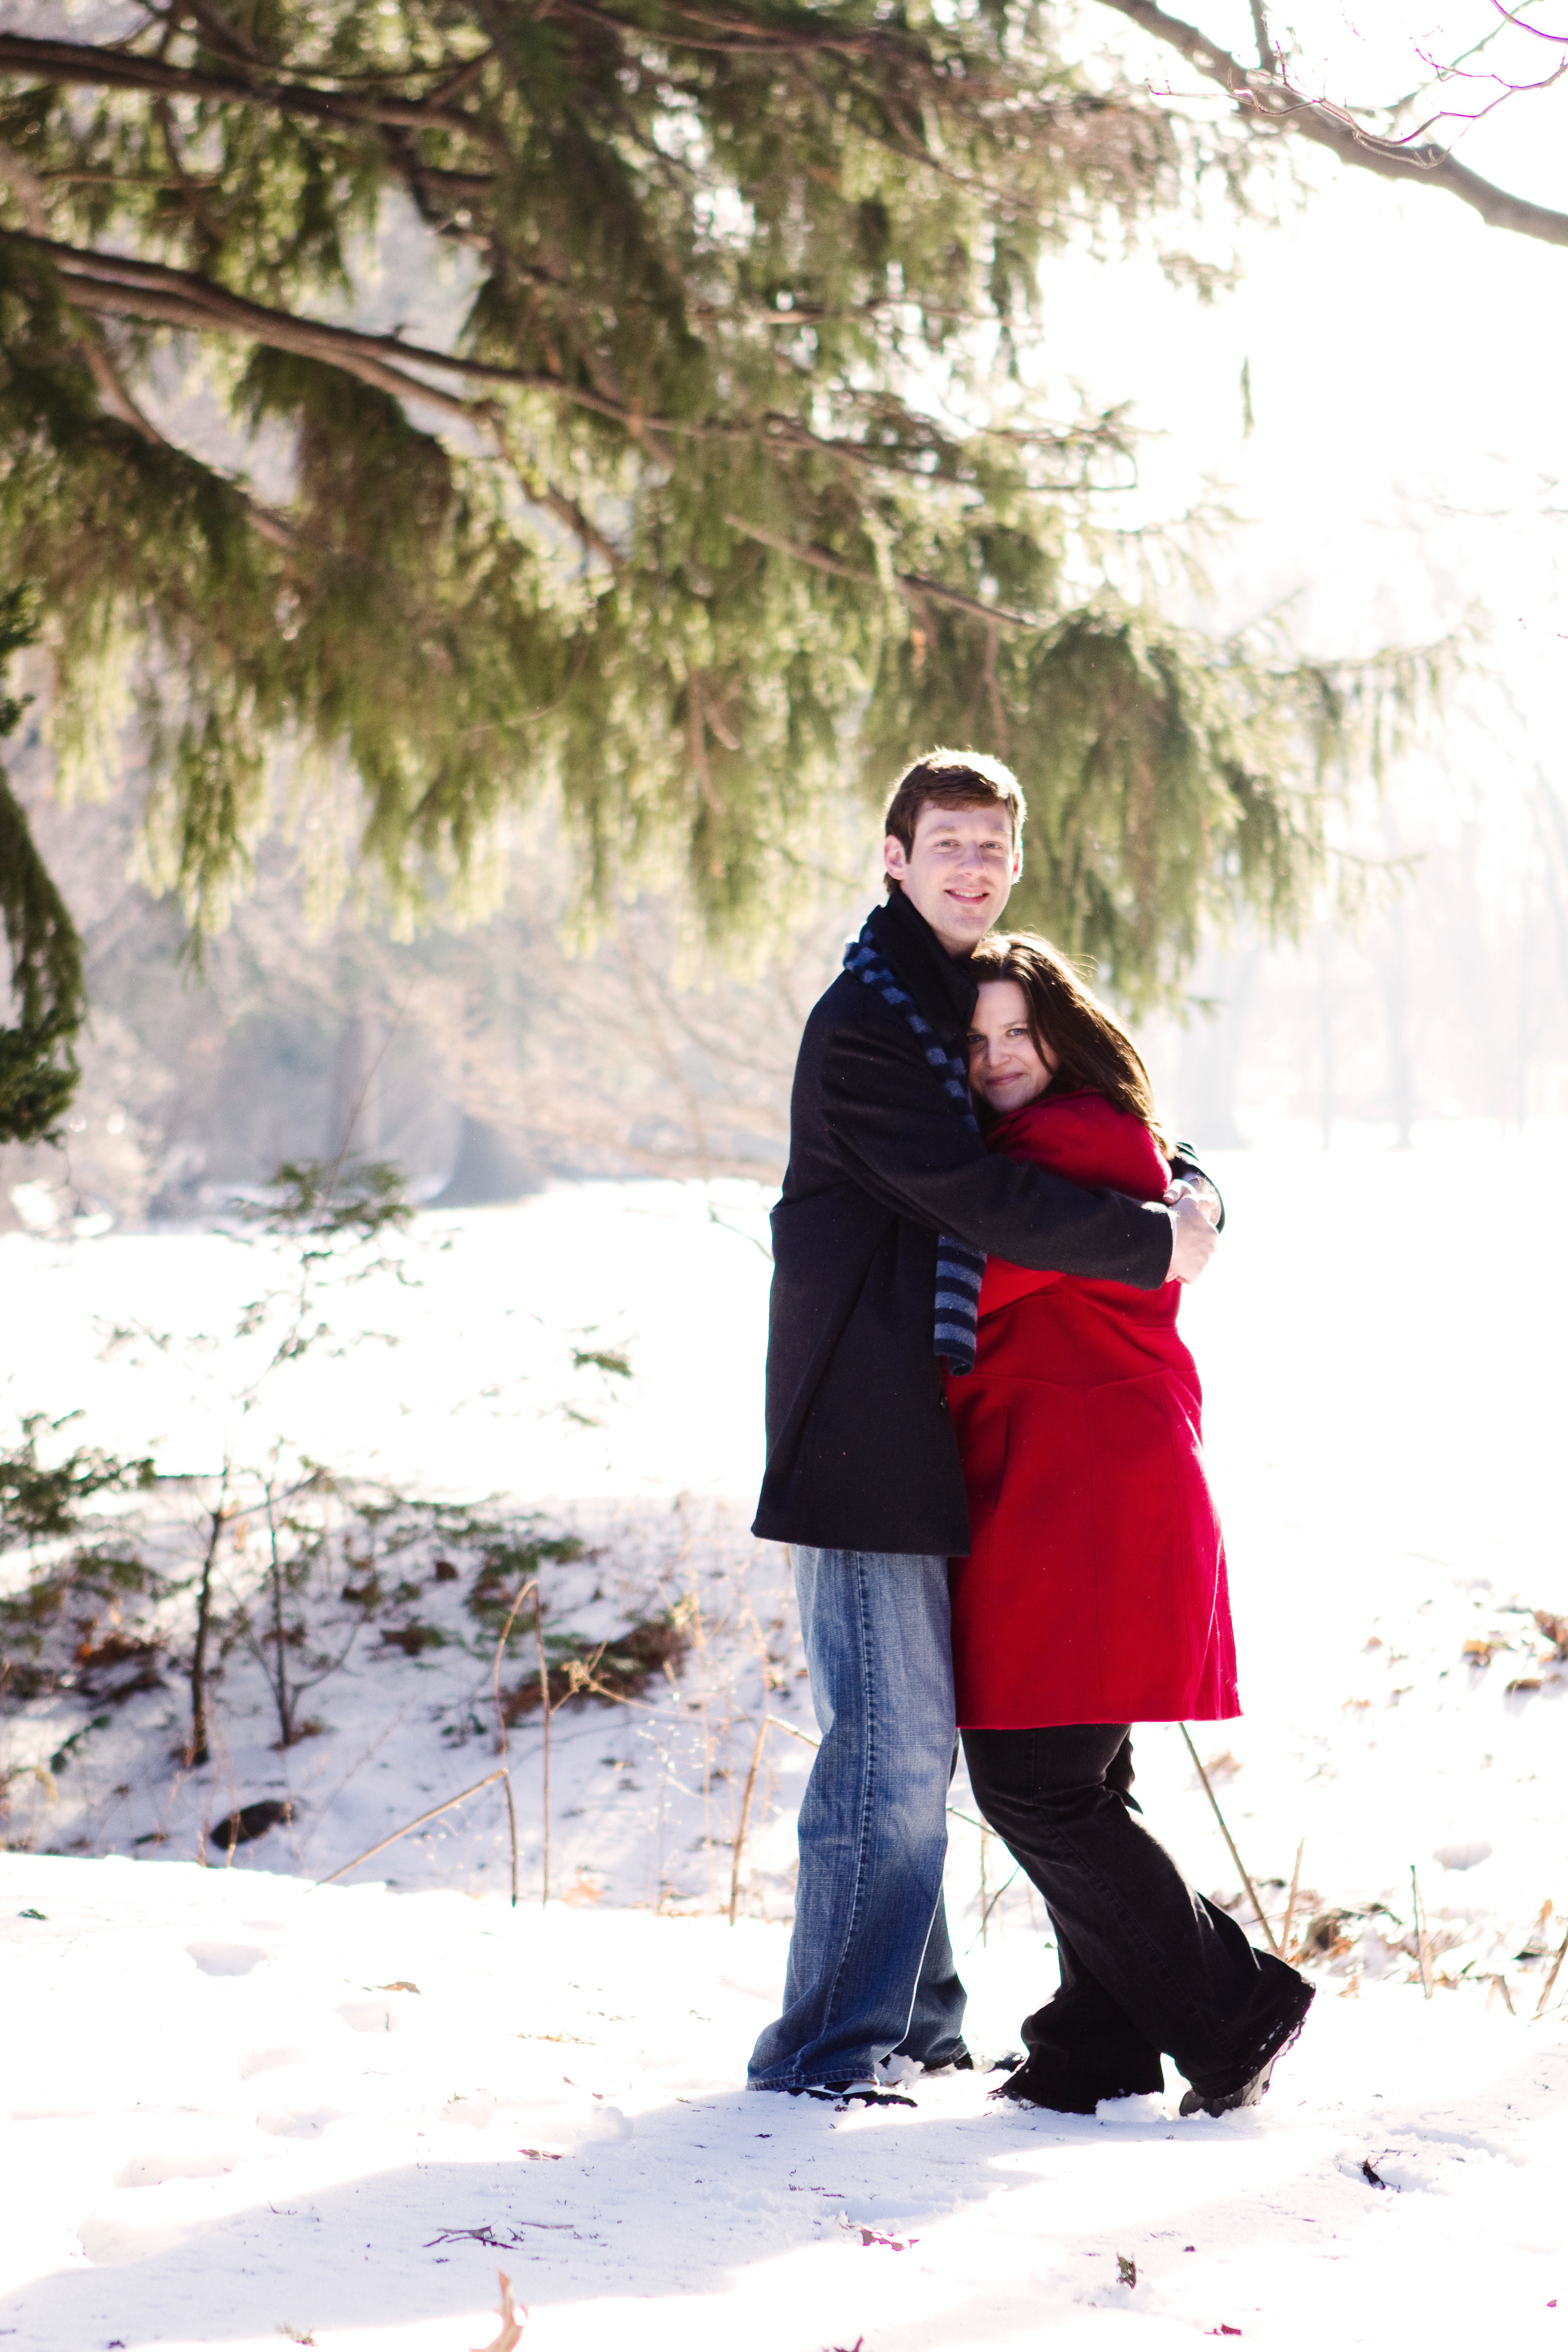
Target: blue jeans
(870,1971)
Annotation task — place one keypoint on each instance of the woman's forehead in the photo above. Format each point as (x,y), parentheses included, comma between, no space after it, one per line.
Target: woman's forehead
(1001,1000)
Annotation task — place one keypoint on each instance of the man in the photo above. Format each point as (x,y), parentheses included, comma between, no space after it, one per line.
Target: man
(887,1180)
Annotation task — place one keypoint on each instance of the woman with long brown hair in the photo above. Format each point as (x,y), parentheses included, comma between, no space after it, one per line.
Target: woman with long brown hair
(1093,1595)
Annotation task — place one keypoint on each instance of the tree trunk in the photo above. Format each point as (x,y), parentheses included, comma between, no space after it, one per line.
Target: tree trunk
(1396,1012)
(1326,1011)
(280,1691)
(353,1108)
(487,1170)
(1211,1055)
(197,1752)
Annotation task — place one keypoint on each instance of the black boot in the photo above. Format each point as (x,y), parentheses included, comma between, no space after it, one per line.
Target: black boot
(1243,2082)
(1083,2048)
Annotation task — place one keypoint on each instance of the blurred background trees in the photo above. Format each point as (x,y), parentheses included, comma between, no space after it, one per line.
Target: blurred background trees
(552,463)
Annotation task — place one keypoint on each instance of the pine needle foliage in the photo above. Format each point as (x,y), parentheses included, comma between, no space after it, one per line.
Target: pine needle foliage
(48,1002)
(725,495)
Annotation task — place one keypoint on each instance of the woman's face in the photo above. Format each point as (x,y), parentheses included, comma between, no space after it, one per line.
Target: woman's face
(1007,1068)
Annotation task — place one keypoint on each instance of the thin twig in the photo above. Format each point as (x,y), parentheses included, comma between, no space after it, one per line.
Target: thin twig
(501,1721)
(1546,1987)
(795,1731)
(1290,1905)
(417,1823)
(511,1831)
(997,1898)
(745,1816)
(544,1702)
(500,1651)
(1423,1959)
(1224,1833)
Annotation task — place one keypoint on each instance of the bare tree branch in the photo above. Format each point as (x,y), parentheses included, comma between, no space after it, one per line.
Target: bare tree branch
(1266,98)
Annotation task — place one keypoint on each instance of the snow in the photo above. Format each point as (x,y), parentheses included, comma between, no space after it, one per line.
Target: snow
(215,2077)
(250,2106)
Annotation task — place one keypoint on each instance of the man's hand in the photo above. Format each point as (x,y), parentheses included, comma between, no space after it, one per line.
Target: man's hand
(1195,1240)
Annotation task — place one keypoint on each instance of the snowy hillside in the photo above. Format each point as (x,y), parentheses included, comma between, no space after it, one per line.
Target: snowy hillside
(224,2072)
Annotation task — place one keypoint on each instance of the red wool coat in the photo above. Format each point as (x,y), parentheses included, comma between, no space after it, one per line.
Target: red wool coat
(1094,1590)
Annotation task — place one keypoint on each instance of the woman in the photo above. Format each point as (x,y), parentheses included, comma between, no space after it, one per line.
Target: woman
(1094,1595)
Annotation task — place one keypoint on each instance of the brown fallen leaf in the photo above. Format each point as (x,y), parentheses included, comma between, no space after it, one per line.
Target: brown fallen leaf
(511,2326)
(398,1984)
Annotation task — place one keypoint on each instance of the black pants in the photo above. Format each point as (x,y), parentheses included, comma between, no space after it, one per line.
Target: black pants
(1147,1964)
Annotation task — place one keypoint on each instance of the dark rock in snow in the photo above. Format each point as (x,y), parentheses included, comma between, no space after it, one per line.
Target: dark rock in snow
(250,1822)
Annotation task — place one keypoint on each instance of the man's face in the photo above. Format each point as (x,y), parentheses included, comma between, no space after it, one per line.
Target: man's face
(958,874)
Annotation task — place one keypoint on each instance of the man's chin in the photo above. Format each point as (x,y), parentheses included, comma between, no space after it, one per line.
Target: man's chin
(960,925)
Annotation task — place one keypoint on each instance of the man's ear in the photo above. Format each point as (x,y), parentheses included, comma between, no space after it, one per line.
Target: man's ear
(895,858)
(1019,862)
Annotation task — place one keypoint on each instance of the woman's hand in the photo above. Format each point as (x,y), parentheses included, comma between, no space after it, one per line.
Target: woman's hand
(1194,1188)
(1194,1241)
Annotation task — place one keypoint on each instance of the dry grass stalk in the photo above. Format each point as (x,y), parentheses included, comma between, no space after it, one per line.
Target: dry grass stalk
(745,1816)
(419,1820)
(500,1721)
(1423,1954)
(1552,1979)
(544,1703)
(1290,1905)
(1230,1842)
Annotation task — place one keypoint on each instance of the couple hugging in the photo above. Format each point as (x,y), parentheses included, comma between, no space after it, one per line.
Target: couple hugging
(985,1454)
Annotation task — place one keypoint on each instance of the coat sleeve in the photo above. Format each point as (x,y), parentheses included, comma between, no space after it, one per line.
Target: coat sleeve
(901,1140)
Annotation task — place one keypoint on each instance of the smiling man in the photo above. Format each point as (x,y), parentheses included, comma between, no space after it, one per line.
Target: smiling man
(889,1205)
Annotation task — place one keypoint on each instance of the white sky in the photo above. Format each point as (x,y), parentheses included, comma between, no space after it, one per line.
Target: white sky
(1403,359)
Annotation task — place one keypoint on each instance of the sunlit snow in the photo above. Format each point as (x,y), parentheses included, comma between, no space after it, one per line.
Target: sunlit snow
(239,2106)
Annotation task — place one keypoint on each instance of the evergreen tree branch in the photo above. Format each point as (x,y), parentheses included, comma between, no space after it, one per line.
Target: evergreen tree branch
(25,185)
(124,287)
(1264,97)
(915,586)
(38,1073)
(84,66)
(765,514)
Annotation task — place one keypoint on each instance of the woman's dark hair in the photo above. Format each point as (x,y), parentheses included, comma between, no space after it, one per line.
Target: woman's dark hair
(1066,1017)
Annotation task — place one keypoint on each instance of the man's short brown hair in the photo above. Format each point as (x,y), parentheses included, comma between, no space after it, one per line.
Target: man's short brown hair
(950,780)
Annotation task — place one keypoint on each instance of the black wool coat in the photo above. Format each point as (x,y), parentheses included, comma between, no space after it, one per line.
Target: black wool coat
(861,1451)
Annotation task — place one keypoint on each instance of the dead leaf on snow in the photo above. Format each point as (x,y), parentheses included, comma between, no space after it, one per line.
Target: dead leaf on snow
(511,2326)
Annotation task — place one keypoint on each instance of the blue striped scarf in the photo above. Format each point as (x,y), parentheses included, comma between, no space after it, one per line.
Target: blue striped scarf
(958,1269)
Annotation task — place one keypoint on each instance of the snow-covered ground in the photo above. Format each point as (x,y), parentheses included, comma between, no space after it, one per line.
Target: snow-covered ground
(215,2077)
